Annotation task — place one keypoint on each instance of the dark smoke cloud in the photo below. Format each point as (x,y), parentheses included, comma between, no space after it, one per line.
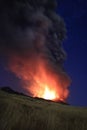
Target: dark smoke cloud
(24,24)
(31,28)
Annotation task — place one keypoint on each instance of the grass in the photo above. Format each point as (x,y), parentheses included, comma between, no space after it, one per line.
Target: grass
(19,112)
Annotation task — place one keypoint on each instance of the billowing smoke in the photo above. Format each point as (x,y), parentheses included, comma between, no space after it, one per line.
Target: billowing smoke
(31,36)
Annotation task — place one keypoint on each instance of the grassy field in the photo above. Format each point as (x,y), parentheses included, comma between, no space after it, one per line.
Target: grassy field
(19,112)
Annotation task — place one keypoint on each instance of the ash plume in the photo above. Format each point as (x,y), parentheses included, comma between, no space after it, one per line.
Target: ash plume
(31,35)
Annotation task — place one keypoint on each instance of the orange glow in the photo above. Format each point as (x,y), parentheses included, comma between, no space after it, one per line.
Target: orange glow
(41,80)
(49,94)
(48,85)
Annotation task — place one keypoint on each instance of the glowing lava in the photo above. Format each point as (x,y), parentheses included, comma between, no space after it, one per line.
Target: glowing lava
(48,85)
(41,81)
(49,94)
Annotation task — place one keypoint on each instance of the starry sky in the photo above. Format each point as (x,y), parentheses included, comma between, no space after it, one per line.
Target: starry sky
(74,13)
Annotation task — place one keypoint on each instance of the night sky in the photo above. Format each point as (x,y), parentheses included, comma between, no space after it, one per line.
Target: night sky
(74,13)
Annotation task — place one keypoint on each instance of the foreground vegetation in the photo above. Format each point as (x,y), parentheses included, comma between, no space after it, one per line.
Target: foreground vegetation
(18,112)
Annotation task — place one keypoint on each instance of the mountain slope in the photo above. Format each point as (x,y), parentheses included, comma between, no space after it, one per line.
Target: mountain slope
(19,112)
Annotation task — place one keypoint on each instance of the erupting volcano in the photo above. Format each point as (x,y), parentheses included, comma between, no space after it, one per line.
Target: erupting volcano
(40,79)
(31,42)
(48,85)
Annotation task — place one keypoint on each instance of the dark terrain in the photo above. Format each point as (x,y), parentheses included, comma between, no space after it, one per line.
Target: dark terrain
(21,112)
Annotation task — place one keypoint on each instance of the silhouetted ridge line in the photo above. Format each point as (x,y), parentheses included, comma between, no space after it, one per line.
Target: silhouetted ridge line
(11,91)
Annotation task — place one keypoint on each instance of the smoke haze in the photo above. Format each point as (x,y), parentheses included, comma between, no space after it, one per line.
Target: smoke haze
(31,35)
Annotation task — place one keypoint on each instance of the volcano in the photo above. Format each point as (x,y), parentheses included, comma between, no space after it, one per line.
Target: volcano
(11,91)
(31,46)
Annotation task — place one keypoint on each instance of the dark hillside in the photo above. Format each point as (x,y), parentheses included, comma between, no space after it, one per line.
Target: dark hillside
(18,112)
